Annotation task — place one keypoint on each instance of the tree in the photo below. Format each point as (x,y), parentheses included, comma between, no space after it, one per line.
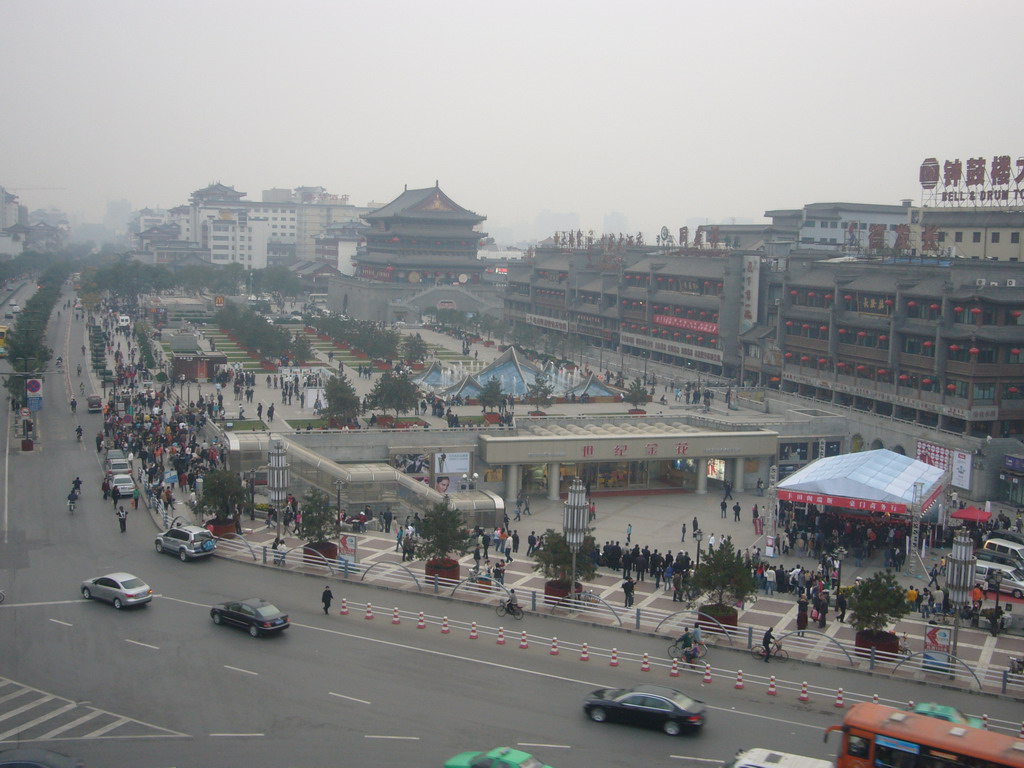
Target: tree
(343,403)
(724,576)
(415,349)
(539,392)
(300,348)
(876,602)
(442,531)
(491,395)
(394,393)
(319,521)
(222,492)
(637,395)
(554,559)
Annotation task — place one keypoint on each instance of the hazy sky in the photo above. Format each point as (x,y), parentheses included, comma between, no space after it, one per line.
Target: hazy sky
(662,111)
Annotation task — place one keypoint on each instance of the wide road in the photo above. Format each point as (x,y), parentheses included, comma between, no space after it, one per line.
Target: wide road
(162,686)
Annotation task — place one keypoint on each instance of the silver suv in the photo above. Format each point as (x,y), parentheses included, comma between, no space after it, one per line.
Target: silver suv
(188,542)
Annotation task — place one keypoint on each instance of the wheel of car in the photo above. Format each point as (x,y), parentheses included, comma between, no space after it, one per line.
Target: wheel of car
(598,715)
(1018,594)
(182,555)
(253,632)
(159,546)
(215,615)
(118,604)
(86,593)
(672,728)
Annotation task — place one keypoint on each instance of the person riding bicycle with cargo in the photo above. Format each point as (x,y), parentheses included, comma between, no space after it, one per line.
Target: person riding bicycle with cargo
(689,649)
(512,604)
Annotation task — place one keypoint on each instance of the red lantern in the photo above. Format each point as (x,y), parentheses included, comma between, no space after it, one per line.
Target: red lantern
(840,365)
(928,344)
(842,331)
(1015,351)
(676,334)
(689,336)
(911,303)
(804,358)
(882,372)
(861,334)
(1013,390)
(848,297)
(904,377)
(829,297)
(700,338)
(823,328)
(958,310)
(707,283)
(1016,313)
(806,326)
(794,293)
(954,347)
(951,387)
(976,311)
(811,294)
(862,367)
(889,302)
(774,379)
(703,314)
(926,382)
(788,355)
(883,337)
(789,323)
(822,360)
(934,307)
(973,350)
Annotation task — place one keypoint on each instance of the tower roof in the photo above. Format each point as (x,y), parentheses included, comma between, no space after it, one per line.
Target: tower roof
(425,205)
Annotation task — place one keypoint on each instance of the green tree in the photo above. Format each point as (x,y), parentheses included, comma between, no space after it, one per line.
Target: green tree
(491,395)
(876,602)
(319,523)
(442,531)
(394,393)
(300,348)
(539,392)
(637,395)
(525,335)
(554,559)
(724,576)
(415,349)
(343,403)
(222,492)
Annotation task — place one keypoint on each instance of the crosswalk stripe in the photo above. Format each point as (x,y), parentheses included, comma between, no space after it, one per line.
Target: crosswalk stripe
(24,727)
(68,726)
(107,728)
(25,707)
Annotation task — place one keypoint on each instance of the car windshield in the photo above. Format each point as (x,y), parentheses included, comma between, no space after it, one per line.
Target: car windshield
(200,535)
(267,611)
(133,583)
(531,762)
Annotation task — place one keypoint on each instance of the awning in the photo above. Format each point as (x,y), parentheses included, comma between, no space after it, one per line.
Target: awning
(972,514)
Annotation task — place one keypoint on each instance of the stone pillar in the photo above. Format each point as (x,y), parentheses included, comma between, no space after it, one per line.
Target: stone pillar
(511,483)
(554,479)
(702,476)
(737,474)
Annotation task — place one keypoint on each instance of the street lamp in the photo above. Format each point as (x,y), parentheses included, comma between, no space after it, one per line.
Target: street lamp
(959,578)
(574,524)
(997,581)
(698,536)
(338,484)
(277,481)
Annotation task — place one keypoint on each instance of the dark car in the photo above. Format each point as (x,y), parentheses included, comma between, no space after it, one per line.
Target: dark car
(254,614)
(652,706)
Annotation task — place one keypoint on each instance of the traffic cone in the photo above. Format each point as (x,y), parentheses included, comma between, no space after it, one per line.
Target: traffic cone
(369,612)
(674,672)
(421,622)
(584,653)
(554,646)
(614,662)
(839,699)
(984,722)
(707,673)
(344,607)
(473,635)
(739,679)
(645,665)
(501,635)
(874,699)
(771,687)
(394,617)
(804,696)
(444,625)
(910,705)
(522,640)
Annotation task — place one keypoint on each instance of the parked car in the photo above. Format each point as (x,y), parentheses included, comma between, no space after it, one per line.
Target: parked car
(500,757)
(188,542)
(254,614)
(94,404)
(990,556)
(1007,535)
(653,706)
(120,589)
(1006,547)
(124,484)
(117,466)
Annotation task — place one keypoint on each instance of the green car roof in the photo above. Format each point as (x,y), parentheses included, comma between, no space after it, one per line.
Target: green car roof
(506,756)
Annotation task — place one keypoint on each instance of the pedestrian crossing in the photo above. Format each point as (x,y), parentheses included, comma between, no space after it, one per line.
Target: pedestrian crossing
(29,714)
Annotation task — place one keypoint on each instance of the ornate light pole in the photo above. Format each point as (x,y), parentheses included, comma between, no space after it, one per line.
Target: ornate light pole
(698,536)
(959,579)
(277,481)
(915,533)
(574,523)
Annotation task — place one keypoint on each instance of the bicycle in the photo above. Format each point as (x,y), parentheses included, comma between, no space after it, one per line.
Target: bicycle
(71,504)
(904,646)
(777,652)
(677,651)
(81,388)
(509,609)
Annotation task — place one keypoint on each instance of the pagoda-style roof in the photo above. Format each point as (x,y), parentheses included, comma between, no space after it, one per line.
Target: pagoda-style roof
(424,205)
(217,192)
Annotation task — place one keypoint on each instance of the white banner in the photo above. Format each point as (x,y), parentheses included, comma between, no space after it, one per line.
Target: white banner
(961,476)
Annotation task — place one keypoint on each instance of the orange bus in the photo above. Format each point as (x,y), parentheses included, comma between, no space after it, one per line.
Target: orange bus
(875,736)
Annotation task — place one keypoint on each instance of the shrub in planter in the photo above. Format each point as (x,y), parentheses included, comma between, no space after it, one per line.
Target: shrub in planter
(442,532)
(554,561)
(319,526)
(637,412)
(875,603)
(727,581)
(223,498)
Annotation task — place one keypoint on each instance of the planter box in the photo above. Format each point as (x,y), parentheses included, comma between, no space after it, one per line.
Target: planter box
(555,592)
(225,531)
(887,643)
(492,418)
(537,413)
(443,569)
(311,552)
(381,366)
(488,343)
(728,617)
(637,412)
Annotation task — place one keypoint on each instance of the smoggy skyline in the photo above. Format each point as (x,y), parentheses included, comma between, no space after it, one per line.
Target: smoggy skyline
(663,112)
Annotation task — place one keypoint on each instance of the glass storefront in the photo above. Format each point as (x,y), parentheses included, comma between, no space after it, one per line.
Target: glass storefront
(616,475)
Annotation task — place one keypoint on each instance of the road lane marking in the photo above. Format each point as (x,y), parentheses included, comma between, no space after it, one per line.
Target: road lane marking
(234,735)
(62,623)
(48,602)
(239,669)
(697,759)
(394,738)
(350,698)
(545,746)
(144,645)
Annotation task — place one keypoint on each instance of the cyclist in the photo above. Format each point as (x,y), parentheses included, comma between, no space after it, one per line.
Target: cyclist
(60,361)
(512,604)
(767,641)
(76,485)
(83,349)
(72,498)
(81,388)
(79,369)
(686,641)
(74,405)
(78,432)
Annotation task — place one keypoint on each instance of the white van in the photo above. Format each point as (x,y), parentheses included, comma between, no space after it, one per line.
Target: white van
(1013,578)
(1006,547)
(123,321)
(770,758)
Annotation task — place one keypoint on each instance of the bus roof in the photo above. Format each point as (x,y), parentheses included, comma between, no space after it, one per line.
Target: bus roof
(938,734)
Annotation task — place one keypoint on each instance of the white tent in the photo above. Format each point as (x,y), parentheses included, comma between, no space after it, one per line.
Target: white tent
(870,481)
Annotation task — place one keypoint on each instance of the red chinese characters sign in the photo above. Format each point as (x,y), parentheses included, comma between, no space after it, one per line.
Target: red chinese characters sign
(998,179)
(690,325)
(863,505)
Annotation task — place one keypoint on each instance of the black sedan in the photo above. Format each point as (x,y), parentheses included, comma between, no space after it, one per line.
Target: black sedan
(254,614)
(653,706)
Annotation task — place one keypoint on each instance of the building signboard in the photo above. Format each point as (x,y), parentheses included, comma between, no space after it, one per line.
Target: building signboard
(551,323)
(671,348)
(751,290)
(975,181)
(961,474)
(700,326)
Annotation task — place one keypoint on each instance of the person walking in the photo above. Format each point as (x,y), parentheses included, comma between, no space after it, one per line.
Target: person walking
(115,494)
(736,512)
(629,532)
(122,518)
(727,488)
(326,597)
(724,507)
(841,608)
(627,588)
(683,533)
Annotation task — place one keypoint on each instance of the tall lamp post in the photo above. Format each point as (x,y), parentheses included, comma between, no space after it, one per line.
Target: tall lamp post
(574,523)
(338,484)
(959,579)
(277,481)
(915,533)
(698,536)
